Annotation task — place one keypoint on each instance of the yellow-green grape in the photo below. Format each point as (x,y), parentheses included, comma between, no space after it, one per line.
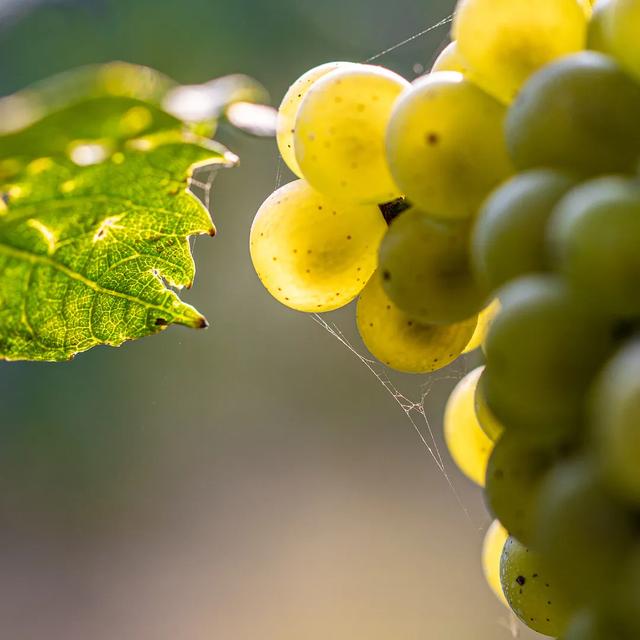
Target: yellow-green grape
(482,328)
(599,33)
(579,114)
(531,593)
(615,418)
(340,129)
(446,145)
(514,473)
(489,423)
(625,34)
(586,535)
(508,40)
(312,253)
(468,444)
(425,268)
(289,110)
(492,547)
(403,343)
(450,59)
(590,624)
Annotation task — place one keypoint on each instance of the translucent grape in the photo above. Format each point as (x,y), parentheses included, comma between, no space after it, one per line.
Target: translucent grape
(468,444)
(514,473)
(625,27)
(289,110)
(543,350)
(312,253)
(508,40)
(581,530)
(482,328)
(489,423)
(450,59)
(599,33)
(446,145)
(340,133)
(425,269)
(616,422)
(532,594)
(510,232)
(578,114)
(492,547)
(595,237)
(403,343)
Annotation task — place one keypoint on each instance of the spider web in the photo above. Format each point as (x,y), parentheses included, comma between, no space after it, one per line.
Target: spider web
(201,185)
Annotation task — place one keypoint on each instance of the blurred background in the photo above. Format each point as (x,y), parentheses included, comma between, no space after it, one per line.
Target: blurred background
(250,481)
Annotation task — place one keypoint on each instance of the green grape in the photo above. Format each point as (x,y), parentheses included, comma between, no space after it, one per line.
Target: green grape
(582,532)
(489,423)
(340,131)
(403,343)
(468,444)
(482,328)
(625,27)
(508,40)
(425,269)
(542,352)
(289,110)
(599,33)
(450,59)
(531,593)
(615,418)
(578,114)
(492,547)
(509,236)
(312,253)
(591,625)
(595,239)
(446,145)
(623,605)
(514,473)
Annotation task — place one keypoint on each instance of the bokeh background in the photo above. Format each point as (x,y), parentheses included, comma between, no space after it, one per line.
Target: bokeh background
(254,480)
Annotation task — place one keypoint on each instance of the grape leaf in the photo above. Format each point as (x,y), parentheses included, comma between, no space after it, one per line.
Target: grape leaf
(88,253)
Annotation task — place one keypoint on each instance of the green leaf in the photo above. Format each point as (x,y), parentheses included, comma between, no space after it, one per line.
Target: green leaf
(96,215)
(88,253)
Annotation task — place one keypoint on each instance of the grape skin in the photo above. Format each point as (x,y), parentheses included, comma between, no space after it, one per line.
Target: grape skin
(615,418)
(446,145)
(425,269)
(288,111)
(542,350)
(595,237)
(531,593)
(625,27)
(312,253)
(492,547)
(485,319)
(468,444)
(450,59)
(489,423)
(403,343)
(340,130)
(509,237)
(579,114)
(583,533)
(514,473)
(508,40)
(599,33)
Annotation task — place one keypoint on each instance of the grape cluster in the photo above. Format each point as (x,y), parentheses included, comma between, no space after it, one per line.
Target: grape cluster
(495,201)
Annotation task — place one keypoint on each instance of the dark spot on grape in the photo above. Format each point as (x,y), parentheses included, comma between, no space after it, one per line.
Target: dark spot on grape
(410,323)
(348,237)
(386,276)
(161,322)
(521,580)
(433,138)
